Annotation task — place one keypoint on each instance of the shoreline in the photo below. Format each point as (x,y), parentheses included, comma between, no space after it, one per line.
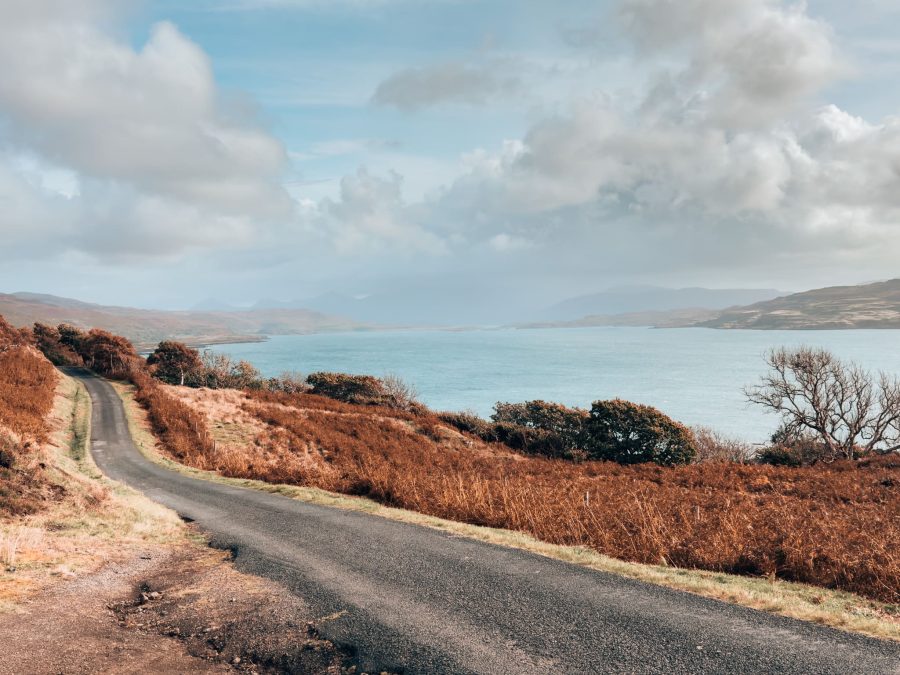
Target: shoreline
(144,348)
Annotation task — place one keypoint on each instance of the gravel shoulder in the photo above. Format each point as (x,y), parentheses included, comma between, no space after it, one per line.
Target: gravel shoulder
(179,609)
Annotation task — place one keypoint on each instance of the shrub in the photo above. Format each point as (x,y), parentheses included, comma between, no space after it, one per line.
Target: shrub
(470,423)
(109,355)
(400,394)
(220,372)
(48,340)
(630,433)
(27,384)
(713,446)
(176,363)
(289,382)
(10,336)
(794,448)
(360,389)
(561,429)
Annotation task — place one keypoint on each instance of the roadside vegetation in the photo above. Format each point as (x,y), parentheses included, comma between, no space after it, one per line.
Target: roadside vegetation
(621,479)
(59,518)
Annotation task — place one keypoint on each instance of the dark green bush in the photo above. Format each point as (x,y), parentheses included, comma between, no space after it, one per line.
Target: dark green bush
(556,430)
(361,389)
(630,433)
(176,363)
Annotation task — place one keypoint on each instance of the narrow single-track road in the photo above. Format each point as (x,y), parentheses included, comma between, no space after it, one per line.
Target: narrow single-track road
(416,600)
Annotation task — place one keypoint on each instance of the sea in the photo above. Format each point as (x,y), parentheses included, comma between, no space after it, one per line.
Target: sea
(695,375)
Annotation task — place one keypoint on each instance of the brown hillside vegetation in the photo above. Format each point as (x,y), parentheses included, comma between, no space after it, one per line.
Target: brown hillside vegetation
(27,387)
(874,305)
(834,525)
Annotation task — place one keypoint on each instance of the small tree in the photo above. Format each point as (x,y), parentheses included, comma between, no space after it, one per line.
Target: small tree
(107,354)
(850,411)
(47,339)
(630,433)
(176,363)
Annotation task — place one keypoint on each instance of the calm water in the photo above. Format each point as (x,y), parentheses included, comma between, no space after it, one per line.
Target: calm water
(695,375)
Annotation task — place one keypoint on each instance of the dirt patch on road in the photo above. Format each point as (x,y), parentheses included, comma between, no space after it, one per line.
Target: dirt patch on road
(180,610)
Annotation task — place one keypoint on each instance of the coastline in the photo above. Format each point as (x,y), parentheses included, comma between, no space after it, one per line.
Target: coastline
(202,342)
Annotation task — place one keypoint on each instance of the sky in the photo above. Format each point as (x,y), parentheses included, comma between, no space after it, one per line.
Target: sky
(503,154)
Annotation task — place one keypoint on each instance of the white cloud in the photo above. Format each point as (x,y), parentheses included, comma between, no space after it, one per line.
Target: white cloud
(370,216)
(728,153)
(148,123)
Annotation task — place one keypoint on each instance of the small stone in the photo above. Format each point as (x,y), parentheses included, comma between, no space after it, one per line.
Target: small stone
(153,595)
(236,660)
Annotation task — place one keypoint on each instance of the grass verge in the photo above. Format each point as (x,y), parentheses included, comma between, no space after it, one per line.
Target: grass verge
(91,520)
(836,609)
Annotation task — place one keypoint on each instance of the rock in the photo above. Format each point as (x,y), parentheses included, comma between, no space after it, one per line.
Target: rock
(236,660)
(153,595)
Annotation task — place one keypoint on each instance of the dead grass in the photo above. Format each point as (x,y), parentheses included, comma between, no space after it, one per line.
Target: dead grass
(807,602)
(92,521)
(835,526)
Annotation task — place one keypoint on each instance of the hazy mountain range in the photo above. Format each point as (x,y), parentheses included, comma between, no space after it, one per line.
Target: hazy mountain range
(875,305)
(439,307)
(146,327)
(638,299)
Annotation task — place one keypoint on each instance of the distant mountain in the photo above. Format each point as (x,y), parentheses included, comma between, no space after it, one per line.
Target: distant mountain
(427,305)
(867,306)
(147,327)
(634,299)
(673,318)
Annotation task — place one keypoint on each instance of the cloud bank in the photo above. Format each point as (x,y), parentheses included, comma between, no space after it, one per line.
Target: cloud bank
(161,161)
(723,154)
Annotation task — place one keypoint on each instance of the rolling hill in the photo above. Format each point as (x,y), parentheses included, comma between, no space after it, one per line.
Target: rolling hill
(874,305)
(146,327)
(631,300)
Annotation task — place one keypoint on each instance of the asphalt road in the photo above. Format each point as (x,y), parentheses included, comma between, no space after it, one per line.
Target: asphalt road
(416,600)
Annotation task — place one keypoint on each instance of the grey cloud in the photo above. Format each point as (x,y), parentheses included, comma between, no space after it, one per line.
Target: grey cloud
(459,83)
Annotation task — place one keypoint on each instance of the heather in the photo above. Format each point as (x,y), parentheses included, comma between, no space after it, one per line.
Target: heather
(834,524)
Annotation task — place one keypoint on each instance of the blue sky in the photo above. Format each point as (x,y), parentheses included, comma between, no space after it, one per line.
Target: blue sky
(161,152)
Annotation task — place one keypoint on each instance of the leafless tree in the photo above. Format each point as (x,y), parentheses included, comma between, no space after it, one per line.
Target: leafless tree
(402,394)
(849,410)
